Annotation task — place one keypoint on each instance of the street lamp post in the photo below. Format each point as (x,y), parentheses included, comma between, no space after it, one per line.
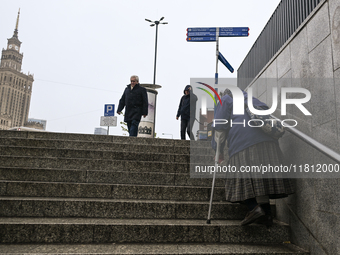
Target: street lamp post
(157,22)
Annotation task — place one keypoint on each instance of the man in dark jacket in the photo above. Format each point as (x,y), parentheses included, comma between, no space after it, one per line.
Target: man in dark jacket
(135,100)
(187,111)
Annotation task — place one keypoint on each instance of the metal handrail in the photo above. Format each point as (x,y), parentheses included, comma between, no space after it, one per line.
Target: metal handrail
(315,144)
(287,19)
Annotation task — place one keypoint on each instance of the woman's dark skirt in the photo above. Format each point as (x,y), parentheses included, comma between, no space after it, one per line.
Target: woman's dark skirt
(240,186)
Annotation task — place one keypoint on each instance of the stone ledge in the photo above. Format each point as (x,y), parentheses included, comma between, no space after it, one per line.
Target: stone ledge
(118,176)
(93,164)
(94,154)
(80,230)
(117,208)
(117,191)
(92,145)
(148,249)
(89,137)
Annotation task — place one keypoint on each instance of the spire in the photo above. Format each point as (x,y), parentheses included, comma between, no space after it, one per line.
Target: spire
(16,26)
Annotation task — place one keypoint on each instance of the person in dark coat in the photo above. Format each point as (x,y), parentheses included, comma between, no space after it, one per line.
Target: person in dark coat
(250,146)
(187,111)
(135,101)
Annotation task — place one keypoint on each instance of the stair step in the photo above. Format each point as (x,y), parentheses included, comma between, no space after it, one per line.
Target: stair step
(154,248)
(94,138)
(94,142)
(102,176)
(93,154)
(116,191)
(117,208)
(86,230)
(98,138)
(94,164)
(107,164)
(94,145)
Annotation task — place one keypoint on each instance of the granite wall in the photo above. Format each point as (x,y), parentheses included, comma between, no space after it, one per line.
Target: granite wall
(310,59)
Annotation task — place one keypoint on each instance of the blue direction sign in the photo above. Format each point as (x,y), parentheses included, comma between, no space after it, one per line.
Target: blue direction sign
(225,62)
(201,29)
(221,29)
(233,34)
(109,110)
(234,29)
(220,34)
(208,34)
(201,39)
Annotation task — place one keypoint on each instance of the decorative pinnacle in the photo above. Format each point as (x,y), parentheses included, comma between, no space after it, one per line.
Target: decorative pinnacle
(16,26)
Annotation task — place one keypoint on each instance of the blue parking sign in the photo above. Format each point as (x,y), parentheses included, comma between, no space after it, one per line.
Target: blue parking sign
(109,110)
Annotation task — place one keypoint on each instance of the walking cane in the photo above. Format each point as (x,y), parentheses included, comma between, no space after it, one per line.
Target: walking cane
(217,139)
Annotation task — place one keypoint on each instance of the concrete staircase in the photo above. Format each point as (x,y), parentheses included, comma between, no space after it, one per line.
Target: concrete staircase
(87,194)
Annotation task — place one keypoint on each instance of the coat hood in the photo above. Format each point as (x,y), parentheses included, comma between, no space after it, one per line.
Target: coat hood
(186,88)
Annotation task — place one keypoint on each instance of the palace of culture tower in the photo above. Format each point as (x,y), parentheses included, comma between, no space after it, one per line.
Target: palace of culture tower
(15,86)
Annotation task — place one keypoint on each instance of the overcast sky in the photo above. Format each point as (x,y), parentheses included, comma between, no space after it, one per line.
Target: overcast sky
(82,53)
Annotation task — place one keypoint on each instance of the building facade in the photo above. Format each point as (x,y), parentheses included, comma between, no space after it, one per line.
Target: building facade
(15,86)
(307,56)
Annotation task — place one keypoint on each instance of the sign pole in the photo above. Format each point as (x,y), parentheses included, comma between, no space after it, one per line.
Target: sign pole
(217,149)
(207,35)
(217,53)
